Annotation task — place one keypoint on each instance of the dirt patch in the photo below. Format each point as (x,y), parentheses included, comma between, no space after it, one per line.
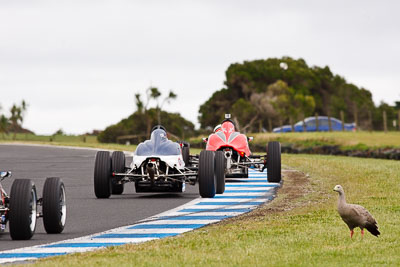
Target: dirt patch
(295,186)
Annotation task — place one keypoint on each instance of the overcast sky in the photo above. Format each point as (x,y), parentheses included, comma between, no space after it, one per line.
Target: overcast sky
(79,63)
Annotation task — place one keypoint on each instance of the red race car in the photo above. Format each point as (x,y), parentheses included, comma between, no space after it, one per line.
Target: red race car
(234,148)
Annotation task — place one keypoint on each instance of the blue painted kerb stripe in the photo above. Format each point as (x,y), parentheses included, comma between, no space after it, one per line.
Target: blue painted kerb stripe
(195,217)
(29,255)
(228,203)
(246,191)
(135,235)
(166,226)
(239,197)
(214,210)
(251,185)
(248,181)
(82,245)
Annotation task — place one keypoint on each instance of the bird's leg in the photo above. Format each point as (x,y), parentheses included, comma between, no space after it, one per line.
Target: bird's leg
(362,233)
(351,233)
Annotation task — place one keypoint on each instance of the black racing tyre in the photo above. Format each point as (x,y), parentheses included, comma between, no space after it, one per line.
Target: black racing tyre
(245,173)
(117,165)
(54,205)
(22,214)
(102,174)
(207,179)
(186,154)
(274,162)
(220,171)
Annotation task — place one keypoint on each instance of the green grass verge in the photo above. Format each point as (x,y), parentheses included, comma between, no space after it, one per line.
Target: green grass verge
(299,228)
(346,140)
(70,140)
(49,138)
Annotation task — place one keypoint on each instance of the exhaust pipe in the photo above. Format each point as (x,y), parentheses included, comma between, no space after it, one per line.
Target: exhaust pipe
(228,155)
(150,170)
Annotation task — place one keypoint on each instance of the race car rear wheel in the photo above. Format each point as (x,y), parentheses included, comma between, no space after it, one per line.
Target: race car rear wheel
(54,205)
(117,165)
(245,173)
(22,214)
(186,154)
(102,174)
(274,162)
(220,171)
(207,179)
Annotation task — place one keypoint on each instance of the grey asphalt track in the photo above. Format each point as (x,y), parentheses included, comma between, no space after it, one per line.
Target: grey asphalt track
(85,213)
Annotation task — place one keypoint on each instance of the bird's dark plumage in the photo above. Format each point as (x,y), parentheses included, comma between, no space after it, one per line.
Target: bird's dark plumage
(372,228)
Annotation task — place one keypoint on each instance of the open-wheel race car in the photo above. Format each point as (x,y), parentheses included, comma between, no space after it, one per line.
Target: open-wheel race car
(233,146)
(158,165)
(20,208)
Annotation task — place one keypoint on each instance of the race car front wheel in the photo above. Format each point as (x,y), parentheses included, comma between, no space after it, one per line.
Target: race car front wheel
(22,214)
(102,174)
(274,162)
(220,171)
(117,165)
(207,179)
(54,205)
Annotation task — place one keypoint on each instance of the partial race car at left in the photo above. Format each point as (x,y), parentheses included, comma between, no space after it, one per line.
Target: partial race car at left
(20,208)
(158,165)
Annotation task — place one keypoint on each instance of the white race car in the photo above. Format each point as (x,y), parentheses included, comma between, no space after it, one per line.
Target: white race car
(158,165)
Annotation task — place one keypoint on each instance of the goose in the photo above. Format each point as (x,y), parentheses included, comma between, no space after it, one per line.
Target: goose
(355,215)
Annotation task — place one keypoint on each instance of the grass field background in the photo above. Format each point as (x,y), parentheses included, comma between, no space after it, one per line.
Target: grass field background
(346,140)
(64,140)
(301,231)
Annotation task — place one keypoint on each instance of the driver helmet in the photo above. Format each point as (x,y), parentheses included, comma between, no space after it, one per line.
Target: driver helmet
(228,126)
(217,128)
(229,120)
(158,133)
(159,127)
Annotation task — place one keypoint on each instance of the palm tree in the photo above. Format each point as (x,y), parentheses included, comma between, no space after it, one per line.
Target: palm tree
(152,93)
(167,99)
(17,116)
(139,103)
(3,124)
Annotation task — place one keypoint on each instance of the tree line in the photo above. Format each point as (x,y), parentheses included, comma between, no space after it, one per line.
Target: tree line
(263,94)
(13,123)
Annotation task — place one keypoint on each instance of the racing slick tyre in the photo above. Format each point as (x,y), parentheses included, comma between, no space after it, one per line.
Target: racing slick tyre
(22,214)
(220,171)
(245,173)
(117,165)
(54,205)
(102,174)
(207,181)
(186,154)
(274,162)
